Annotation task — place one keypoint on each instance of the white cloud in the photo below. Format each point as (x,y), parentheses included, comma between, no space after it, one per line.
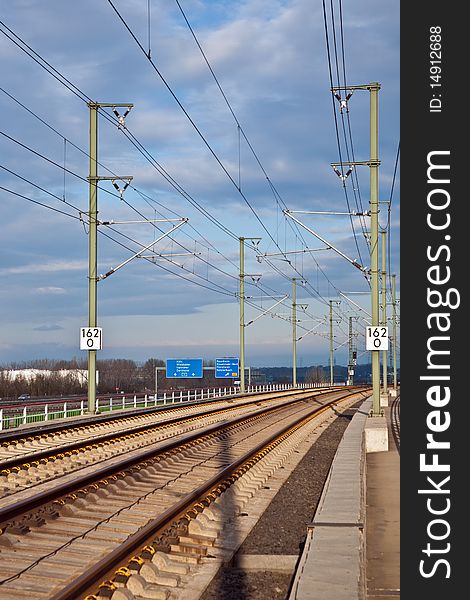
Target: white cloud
(48,327)
(49,267)
(50,290)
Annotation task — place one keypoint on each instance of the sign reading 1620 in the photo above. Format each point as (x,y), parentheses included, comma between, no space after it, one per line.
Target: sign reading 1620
(377,338)
(91,338)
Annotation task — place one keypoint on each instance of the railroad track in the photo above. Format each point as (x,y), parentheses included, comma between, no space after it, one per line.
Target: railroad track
(81,424)
(28,438)
(37,459)
(136,528)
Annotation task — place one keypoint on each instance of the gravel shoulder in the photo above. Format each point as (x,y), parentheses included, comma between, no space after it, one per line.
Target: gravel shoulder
(281,531)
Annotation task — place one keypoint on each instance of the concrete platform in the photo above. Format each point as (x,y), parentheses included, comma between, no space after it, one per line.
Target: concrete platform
(383,522)
(352,551)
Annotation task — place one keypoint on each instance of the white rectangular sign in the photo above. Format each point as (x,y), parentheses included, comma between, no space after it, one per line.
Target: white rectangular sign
(91,338)
(377,338)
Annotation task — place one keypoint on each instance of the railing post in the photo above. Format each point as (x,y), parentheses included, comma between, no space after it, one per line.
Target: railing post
(1,419)
(65,409)
(46,412)
(110,404)
(82,408)
(24,414)
(135,401)
(173,397)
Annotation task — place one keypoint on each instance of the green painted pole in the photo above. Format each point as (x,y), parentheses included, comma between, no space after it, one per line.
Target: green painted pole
(242,315)
(384,309)
(294,334)
(92,250)
(331,343)
(351,361)
(374,231)
(394,305)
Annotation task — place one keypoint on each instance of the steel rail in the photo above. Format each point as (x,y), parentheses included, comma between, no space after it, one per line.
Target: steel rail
(101,570)
(77,423)
(26,460)
(25,506)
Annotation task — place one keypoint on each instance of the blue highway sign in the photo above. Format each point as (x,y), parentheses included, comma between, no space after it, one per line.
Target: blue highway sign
(184,368)
(226,367)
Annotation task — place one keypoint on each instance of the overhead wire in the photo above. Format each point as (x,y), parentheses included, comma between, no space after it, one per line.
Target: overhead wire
(61,200)
(355,187)
(214,286)
(84,97)
(146,198)
(62,79)
(40,60)
(389,223)
(41,188)
(191,120)
(338,142)
(219,289)
(278,198)
(57,210)
(201,135)
(72,173)
(68,170)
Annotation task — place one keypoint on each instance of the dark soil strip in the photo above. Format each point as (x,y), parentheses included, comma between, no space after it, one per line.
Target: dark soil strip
(282,527)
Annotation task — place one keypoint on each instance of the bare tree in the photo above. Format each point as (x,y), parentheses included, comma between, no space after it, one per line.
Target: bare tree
(316,375)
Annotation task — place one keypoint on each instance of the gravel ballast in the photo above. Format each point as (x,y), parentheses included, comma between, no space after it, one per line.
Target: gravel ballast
(281,530)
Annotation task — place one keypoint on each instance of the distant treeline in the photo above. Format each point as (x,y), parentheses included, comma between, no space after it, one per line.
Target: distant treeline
(59,377)
(47,377)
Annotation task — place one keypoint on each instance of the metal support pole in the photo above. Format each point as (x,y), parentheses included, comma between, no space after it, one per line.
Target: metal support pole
(350,361)
(92,241)
(92,250)
(394,305)
(331,343)
(294,334)
(242,315)
(384,309)
(374,234)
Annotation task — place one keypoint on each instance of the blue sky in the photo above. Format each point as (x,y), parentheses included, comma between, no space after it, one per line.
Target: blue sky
(232,163)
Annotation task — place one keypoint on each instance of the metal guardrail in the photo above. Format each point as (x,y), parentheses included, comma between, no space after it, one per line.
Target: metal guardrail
(14,416)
